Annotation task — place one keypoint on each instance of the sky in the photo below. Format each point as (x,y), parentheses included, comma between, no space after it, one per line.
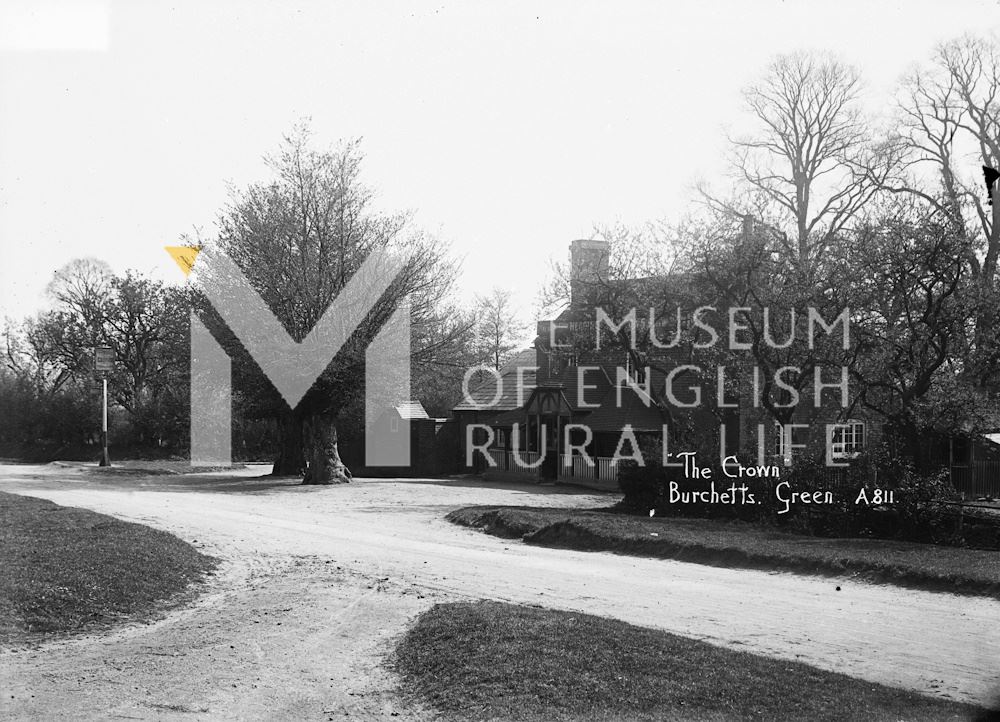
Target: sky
(507,129)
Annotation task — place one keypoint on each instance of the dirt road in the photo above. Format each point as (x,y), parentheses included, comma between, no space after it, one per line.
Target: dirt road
(318,581)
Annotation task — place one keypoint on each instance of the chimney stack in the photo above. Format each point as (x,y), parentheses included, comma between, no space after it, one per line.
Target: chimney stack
(588,271)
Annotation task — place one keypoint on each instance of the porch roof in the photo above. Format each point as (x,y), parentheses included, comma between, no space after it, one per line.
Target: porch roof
(548,399)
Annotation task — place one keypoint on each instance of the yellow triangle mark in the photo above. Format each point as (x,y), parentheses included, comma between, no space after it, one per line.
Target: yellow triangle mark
(183,256)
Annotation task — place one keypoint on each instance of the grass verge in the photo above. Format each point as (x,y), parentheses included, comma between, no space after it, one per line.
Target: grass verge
(67,569)
(737,544)
(489,660)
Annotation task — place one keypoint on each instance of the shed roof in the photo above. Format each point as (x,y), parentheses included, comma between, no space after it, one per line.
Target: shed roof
(411,410)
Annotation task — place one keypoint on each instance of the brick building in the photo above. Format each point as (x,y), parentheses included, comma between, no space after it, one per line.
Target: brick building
(563,409)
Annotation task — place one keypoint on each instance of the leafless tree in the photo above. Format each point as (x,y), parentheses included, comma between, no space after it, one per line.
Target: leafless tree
(29,356)
(949,127)
(949,113)
(809,167)
(498,325)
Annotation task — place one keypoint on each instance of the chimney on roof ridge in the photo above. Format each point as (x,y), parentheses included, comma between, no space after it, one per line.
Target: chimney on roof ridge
(588,270)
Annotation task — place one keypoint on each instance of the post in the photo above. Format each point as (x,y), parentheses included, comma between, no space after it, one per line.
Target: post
(995,203)
(105,460)
(559,459)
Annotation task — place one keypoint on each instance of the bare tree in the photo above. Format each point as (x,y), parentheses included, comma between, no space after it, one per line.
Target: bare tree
(950,124)
(498,326)
(809,167)
(444,348)
(140,319)
(31,358)
(81,291)
(949,113)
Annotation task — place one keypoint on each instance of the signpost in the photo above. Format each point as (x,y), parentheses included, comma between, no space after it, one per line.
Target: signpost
(104,362)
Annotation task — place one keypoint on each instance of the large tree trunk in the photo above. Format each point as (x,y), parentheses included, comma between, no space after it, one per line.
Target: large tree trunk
(291,459)
(325,465)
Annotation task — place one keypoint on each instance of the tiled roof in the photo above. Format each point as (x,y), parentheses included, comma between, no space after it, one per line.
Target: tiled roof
(524,357)
(482,394)
(633,410)
(570,383)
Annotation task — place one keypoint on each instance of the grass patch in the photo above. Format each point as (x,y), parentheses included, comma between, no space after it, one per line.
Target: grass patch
(740,544)
(489,660)
(67,569)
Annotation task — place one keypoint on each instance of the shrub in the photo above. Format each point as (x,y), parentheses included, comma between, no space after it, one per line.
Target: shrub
(924,507)
(643,486)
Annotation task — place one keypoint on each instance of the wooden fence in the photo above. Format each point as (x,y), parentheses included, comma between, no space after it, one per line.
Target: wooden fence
(524,462)
(577,467)
(602,472)
(977,479)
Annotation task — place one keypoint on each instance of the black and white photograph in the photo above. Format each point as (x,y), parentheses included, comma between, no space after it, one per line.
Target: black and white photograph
(499,361)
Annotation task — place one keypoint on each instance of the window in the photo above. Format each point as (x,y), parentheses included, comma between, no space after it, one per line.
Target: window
(636,373)
(394,424)
(799,437)
(639,375)
(848,439)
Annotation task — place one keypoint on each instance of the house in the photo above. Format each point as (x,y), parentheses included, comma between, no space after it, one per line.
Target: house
(573,405)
